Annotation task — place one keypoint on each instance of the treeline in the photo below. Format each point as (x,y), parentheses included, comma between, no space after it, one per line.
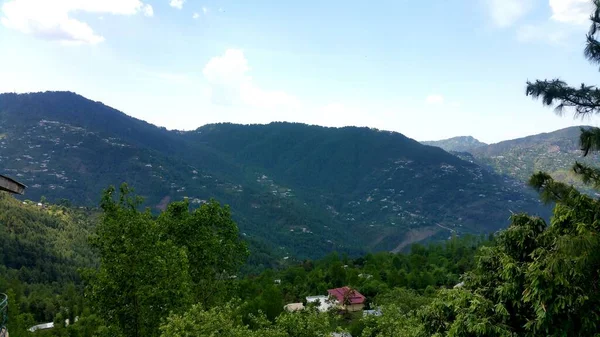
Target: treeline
(177,274)
(425,270)
(122,271)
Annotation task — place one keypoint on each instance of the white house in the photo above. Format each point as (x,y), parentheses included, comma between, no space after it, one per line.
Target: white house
(324,302)
(41,327)
(293,307)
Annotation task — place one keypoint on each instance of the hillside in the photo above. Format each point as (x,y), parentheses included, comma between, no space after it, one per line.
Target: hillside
(553,152)
(302,190)
(458,144)
(43,249)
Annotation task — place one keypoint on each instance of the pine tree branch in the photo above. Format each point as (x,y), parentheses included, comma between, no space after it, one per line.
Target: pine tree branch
(589,175)
(589,140)
(585,100)
(550,190)
(592,49)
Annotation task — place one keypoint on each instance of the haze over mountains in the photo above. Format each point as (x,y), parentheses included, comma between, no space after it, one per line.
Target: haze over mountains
(302,190)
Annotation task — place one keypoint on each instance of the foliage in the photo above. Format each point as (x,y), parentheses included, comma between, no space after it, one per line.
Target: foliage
(136,283)
(141,274)
(394,322)
(42,249)
(584,100)
(211,241)
(537,280)
(226,321)
(151,266)
(383,278)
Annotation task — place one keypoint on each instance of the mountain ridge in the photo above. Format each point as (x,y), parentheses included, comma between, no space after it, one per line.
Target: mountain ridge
(552,152)
(457,144)
(305,189)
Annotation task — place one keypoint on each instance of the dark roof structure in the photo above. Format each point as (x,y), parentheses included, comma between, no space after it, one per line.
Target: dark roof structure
(340,293)
(10,185)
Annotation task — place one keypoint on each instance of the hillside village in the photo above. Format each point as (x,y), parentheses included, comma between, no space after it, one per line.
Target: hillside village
(392,199)
(343,299)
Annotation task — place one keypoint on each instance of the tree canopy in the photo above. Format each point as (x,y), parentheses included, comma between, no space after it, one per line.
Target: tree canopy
(149,266)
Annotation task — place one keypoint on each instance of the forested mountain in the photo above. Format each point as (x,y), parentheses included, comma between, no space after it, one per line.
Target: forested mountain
(304,190)
(43,249)
(553,152)
(459,144)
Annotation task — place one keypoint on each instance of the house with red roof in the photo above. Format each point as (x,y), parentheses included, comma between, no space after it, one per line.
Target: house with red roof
(348,299)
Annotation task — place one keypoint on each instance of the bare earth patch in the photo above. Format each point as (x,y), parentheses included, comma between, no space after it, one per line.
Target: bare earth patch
(416,235)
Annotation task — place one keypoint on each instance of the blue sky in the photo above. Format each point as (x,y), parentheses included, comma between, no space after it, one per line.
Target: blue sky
(428,69)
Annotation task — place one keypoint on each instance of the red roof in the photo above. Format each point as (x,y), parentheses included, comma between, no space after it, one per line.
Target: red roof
(357,298)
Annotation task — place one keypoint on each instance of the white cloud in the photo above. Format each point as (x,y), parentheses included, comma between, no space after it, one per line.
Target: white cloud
(51,19)
(571,11)
(230,84)
(148,11)
(204,10)
(195,16)
(505,13)
(435,99)
(177,3)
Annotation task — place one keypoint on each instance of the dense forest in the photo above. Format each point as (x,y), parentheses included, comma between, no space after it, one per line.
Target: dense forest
(178,274)
(43,249)
(309,189)
(182,258)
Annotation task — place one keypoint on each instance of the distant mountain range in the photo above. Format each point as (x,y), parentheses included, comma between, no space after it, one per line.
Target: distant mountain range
(294,189)
(553,152)
(458,144)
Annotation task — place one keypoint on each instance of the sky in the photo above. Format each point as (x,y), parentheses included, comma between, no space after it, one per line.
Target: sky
(428,69)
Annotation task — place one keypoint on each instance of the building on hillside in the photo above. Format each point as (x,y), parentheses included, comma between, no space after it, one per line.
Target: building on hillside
(293,307)
(44,326)
(376,312)
(10,185)
(348,299)
(459,285)
(324,302)
(341,334)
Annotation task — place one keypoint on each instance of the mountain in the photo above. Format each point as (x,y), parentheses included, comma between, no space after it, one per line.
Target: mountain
(459,144)
(44,243)
(553,152)
(294,189)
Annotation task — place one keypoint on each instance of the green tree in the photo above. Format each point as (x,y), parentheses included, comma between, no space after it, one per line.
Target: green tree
(394,322)
(214,249)
(141,276)
(226,320)
(197,322)
(307,323)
